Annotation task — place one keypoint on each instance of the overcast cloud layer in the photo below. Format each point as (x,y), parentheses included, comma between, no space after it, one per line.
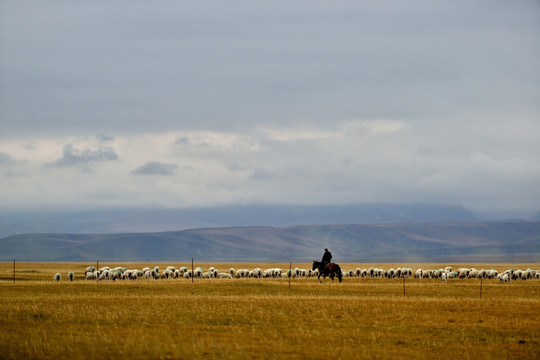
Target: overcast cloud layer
(178,104)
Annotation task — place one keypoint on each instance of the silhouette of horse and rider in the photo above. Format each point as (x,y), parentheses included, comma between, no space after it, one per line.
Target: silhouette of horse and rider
(326,267)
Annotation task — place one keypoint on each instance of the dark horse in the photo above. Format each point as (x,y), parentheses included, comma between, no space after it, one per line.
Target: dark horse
(330,269)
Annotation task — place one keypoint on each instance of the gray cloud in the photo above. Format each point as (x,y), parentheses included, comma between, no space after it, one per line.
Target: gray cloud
(277,102)
(6,159)
(261,174)
(155,168)
(318,62)
(84,158)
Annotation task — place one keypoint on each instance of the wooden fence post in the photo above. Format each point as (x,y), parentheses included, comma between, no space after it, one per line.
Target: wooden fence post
(403,285)
(480,287)
(14,271)
(192,271)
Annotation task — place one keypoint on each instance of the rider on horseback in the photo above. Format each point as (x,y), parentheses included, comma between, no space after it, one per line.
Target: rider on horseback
(327,256)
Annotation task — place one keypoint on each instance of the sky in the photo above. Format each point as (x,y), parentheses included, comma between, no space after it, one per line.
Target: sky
(126,104)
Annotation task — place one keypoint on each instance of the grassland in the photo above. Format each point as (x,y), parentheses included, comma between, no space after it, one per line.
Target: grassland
(265,319)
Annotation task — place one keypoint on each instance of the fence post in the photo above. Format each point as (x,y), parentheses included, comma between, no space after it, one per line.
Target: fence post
(97,270)
(192,271)
(480,287)
(403,285)
(14,271)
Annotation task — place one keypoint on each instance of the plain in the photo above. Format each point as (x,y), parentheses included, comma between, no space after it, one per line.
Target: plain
(265,318)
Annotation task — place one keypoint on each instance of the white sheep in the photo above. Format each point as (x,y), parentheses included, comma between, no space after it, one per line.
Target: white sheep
(166,274)
(463,273)
(406,272)
(198,273)
(91,276)
(148,274)
(419,274)
(103,276)
(504,277)
(444,276)
(258,273)
(57,277)
(71,276)
(268,273)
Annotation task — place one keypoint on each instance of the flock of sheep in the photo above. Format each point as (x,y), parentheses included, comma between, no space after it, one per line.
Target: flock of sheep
(171,272)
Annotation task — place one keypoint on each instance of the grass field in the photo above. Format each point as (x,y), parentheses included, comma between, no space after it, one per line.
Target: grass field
(265,319)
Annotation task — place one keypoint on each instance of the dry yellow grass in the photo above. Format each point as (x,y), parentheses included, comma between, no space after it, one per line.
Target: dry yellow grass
(264,319)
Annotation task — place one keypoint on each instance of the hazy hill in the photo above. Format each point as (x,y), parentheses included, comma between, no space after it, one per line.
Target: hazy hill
(152,220)
(488,241)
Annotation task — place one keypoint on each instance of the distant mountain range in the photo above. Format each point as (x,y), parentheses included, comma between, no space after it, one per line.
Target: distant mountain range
(412,242)
(157,220)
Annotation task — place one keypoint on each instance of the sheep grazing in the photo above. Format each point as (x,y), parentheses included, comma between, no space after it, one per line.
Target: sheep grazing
(444,276)
(167,274)
(91,276)
(258,273)
(57,277)
(406,272)
(463,273)
(148,274)
(198,273)
(171,272)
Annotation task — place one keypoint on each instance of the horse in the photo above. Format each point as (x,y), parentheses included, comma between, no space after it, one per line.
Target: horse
(327,269)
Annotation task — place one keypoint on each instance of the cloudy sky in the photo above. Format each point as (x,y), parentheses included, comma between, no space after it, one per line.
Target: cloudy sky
(107,104)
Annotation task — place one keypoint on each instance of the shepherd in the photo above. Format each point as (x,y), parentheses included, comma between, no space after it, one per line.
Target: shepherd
(327,256)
